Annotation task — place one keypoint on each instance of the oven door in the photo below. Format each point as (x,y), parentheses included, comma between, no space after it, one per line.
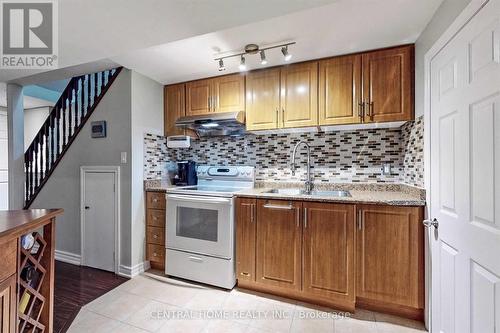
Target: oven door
(200,224)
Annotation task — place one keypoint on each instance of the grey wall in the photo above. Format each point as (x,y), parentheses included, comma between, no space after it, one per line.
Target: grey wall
(33,121)
(62,190)
(444,16)
(147,117)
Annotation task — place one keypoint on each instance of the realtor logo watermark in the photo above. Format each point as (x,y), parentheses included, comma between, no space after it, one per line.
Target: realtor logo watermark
(29,37)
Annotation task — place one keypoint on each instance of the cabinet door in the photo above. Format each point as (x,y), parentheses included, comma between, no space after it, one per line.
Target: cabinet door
(340,90)
(299,95)
(229,93)
(388,84)
(390,255)
(263,99)
(279,234)
(329,229)
(8,305)
(246,228)
(174,102)
(198,97)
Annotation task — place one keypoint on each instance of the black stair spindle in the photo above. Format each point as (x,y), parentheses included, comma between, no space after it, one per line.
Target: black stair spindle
(88,94)
(64,120)
(35,182)
(27,175)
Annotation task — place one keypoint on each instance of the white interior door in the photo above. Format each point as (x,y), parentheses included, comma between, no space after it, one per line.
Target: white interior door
(4,160)
(465,178)
(99,220)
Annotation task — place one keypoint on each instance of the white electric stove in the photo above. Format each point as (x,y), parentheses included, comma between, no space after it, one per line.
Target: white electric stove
(200,225)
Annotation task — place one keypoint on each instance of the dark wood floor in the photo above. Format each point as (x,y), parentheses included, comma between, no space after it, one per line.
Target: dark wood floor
(76,286)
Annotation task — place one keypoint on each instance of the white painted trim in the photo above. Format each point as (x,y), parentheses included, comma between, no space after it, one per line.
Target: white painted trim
(105,169)
(131,272)
(68,257)
(467,14)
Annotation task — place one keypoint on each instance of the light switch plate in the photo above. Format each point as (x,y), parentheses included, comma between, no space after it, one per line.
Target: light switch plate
(123,157)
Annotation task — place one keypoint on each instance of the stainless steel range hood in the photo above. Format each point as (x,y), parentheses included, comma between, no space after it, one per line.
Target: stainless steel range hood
(216,124)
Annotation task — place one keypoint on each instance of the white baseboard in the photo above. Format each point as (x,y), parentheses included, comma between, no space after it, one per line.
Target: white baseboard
(68,257)
(130,272)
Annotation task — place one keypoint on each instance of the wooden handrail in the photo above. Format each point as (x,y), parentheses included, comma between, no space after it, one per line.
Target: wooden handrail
(66,119)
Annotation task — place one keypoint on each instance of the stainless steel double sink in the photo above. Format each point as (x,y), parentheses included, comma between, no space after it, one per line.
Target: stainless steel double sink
(298,191)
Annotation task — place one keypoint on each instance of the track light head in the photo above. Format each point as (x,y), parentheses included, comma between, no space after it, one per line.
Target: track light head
(221,65)
(263,60)
(287,55)
(242,65)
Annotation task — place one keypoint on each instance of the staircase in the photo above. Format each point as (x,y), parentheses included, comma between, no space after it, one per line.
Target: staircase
(66,119)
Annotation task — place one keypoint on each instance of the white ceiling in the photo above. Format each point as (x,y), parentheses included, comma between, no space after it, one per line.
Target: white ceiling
(344,26)
(93,30)
(29,102)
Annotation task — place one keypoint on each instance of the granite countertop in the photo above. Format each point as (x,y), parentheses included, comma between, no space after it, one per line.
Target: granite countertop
(367,193)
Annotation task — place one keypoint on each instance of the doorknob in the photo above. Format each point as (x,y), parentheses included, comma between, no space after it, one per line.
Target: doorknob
(87,207)
(431,223)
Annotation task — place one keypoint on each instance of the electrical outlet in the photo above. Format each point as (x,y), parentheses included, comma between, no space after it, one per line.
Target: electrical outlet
(386,169)
(123,157)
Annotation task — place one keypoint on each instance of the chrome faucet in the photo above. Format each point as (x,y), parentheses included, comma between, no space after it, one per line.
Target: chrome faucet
(308,183)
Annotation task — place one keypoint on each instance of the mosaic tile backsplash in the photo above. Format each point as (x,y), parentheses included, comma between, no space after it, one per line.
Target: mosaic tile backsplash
(340,157)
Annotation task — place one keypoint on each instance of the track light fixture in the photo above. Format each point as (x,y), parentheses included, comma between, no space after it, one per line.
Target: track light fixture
(287,55)
(242,66)
(254,49)
(221,65)
(263,60)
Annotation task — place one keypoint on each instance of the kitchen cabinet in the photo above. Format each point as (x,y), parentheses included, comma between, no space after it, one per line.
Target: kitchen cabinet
(390,259)
(333,254)
(174,104)
(155,229)
(388,77)
(263,99)
(8,305)
(220,94)
(340,94)
(246,228)
(299,95)
(279,244)
(329,229)
(284,97)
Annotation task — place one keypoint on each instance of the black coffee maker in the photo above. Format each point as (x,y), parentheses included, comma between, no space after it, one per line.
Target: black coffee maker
(186,174)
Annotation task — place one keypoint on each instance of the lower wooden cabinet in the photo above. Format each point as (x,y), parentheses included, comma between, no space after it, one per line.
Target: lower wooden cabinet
(279,244)
(390,259)
(155,229)
(339,255)
(8,305)
(328,251)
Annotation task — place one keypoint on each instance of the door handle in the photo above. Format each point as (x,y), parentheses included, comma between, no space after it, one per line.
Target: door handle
(87,207)
(431,223)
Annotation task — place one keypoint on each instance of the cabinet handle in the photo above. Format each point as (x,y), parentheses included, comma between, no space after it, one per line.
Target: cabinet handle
(245,274)
(361,111)
(369,113)
(305,218)
(155,254)
(155,236)
(297,214)
(283,116)
(209,104)
(360,217)
(277,117)
(289,207)
(252,214)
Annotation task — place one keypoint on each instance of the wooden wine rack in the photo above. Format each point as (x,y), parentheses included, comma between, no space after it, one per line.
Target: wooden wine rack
(29,320)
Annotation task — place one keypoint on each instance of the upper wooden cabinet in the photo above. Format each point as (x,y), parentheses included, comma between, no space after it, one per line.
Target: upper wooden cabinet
(340,90)
(283,97)
(279,231)
(199,97)
(329,229)
(220,94)
(263,99)
(229,93)
(388,84)
(299,95)
(390,258)
(174,103)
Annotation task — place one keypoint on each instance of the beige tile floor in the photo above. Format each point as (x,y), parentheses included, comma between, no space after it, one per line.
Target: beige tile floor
(143,303)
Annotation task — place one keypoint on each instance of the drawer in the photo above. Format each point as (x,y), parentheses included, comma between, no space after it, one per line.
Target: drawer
(155,218)
(8,259)
(155,235)
(155,200)
(155,253)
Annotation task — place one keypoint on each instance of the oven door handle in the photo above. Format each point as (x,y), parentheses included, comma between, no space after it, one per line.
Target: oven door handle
(198,199)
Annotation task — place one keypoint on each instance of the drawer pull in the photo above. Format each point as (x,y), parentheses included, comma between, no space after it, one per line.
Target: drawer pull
(195,259)
(245,274)
(269,206)
(155,254)
(155,236)
(155,200)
